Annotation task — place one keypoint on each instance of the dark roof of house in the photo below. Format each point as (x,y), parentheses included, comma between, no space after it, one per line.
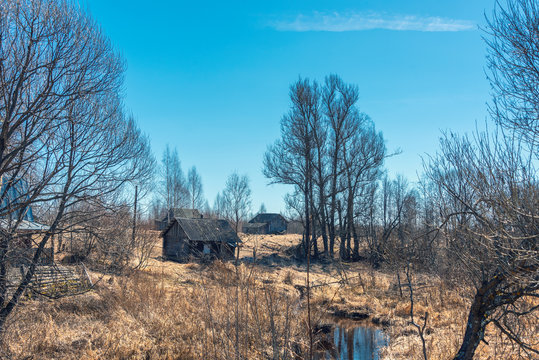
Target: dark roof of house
(184,213)
(266,218)
(208,230)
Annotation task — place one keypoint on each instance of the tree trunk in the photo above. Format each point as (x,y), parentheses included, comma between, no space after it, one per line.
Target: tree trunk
(478,319)
(355,253)
(349,223)
(307,231)
(342,233)
(314,235)
(333,204)
(323,228)
(4,245)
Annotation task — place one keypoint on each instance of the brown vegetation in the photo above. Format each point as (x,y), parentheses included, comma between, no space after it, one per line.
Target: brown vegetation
(211,311)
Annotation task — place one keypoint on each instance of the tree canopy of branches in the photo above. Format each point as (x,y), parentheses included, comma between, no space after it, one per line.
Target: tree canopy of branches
(63,130)
(173,184)
(488,194)
(513,56)
(196,192)
(236,199)
(329,152)
(488,188)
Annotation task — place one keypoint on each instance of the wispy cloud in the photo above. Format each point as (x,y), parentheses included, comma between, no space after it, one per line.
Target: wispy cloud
(352,21)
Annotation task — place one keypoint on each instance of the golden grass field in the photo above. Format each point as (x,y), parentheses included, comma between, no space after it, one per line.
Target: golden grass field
(214,310)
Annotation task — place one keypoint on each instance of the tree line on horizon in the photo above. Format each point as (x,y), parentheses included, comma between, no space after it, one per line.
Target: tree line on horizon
(175,191)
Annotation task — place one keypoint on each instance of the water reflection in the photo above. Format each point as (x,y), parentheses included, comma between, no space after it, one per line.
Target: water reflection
(357,343)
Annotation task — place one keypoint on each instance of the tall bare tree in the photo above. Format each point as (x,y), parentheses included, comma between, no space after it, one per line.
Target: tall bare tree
(237,199)
(339,104)
(173,184)
(493,181)
(491,196)
(63,131)
(194,186)
(290,159)
(329,152)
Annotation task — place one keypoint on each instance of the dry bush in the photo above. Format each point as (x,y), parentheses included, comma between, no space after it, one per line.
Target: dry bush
(288,278)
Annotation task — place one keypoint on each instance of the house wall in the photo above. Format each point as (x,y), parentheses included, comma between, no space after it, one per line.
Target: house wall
(277,225)
(217,249)
(256,230)
(227,251)
(160,225)
(175,244)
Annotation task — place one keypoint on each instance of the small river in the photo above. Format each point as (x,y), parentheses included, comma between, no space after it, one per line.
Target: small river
(356,343)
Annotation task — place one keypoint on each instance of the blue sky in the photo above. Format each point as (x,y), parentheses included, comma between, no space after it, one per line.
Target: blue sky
(211,78)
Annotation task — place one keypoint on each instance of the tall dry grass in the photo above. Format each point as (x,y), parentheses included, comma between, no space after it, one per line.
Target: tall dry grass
(220,313)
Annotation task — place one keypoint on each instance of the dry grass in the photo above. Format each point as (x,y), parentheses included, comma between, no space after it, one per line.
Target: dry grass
(213,311)
(166,311)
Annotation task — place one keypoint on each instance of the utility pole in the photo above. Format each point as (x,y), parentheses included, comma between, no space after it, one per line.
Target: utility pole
(134,217)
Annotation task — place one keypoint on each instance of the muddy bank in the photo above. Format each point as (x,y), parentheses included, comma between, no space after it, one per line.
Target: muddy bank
(357,313)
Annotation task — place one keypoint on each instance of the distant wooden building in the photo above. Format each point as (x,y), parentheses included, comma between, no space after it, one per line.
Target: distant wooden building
(266,224)
(200,237)
(176,213)
(295,227)
(255,228)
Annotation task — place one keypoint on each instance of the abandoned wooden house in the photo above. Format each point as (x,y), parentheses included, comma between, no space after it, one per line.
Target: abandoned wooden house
(255,228)
(176,213)
(266,224)
(200,237)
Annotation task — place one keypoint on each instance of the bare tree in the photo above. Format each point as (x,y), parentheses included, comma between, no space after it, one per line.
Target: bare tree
(237,199)
(490,188)
(290,159)
(173,184)
(512,37)
(491,195)
(196,192)
(330,153)
(339,102)
(219,206)
(63,130)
